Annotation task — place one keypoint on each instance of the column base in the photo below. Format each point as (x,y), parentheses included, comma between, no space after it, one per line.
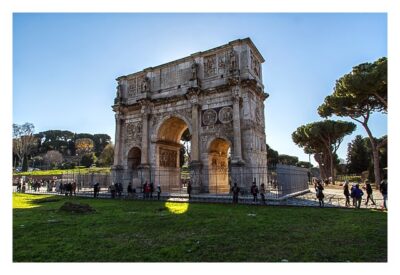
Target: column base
(117,173)
(144,172)
(195,176)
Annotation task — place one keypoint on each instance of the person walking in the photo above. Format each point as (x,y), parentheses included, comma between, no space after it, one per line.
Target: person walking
(130,190)
(189,189)
(235,191)
(262,192)
(146,190)
(254,191)
(383,189)
(112,190)
(96,189)
(346,192)
(353,186)
(370,196)
(151,189)
(357,194)
(319,193)
(158,191)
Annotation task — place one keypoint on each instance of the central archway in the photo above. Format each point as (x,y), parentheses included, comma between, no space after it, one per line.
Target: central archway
(168,153)
(218,166)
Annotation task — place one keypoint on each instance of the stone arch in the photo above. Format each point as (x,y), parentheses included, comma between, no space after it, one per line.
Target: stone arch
(133,159)
(218,165)
(168,134)
(162,121)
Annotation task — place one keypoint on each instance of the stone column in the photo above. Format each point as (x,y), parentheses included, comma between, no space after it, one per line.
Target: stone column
(195,135)
(144,163)
(145,139)
(117,140)
(195,164)
(117,170)
(237,138)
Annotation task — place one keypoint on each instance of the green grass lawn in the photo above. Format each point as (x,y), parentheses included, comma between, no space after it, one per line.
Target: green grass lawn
(149,231)
(56,172)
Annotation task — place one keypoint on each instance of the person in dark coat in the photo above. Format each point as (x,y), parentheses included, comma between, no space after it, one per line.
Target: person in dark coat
(319,193)
(189,189)
(112,190)
(262,192)
(96,189)
(235,191)
(130,190)
(368,189)
(151,189)
(346,192)
(254,191)
(357,194)
(352,194)
(158,191)
(383,189)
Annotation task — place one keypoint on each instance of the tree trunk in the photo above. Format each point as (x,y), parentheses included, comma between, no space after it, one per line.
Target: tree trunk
(375,155)
(332,168)
(377,171)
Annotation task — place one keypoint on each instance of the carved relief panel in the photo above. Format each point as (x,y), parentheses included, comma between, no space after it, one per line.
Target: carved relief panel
(255,64)
(167,158)
(134,133)
(210,65)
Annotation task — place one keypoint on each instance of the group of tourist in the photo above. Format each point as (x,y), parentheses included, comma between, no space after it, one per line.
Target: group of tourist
(355,193)
(67,188)
(254,190)
(116,189)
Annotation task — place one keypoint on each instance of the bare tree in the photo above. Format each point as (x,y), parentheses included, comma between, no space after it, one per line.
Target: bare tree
(53,156)
(23,140)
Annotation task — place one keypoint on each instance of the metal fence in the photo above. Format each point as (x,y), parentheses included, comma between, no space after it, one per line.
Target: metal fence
(283,181)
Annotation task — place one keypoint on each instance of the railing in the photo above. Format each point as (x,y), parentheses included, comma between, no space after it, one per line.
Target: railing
(281,182)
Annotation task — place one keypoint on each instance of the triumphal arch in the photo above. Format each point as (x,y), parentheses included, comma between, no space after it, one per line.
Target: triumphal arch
(218,96)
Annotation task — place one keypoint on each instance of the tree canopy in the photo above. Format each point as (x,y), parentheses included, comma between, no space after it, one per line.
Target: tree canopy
(323,138)
(357,95)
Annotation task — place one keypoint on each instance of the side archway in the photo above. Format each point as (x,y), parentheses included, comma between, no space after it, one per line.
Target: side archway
(133,162)
(218,165)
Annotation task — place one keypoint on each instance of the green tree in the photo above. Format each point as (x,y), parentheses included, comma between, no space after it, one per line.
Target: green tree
(272,157)
(100,142)
(358,158)
(304,164)
(288,160)
(323,138)
(107,156)
(88,159)
(59,140)
(357,95)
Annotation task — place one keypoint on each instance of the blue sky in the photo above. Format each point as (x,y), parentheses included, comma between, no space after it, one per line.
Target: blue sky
(65,65)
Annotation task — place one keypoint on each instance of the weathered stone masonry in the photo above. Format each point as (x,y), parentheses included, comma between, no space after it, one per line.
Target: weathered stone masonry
(217,94)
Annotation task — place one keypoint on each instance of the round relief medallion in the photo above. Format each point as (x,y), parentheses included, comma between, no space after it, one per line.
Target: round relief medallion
(225,115)
(209,117)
